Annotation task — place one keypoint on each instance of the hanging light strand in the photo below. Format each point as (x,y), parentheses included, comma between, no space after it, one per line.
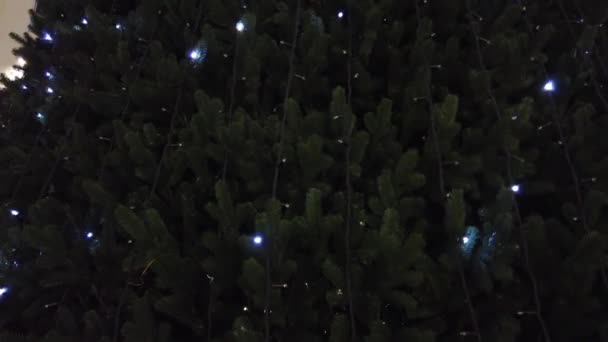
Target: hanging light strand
(514,188)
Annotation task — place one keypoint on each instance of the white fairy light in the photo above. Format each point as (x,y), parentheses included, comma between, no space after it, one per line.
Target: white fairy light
(49,90)
(240,26)
(14,212)
(549,86)
(84,21)
(40,116)
(465,239)
(118,26)
(89,235)
(48,75)
(515,188)
(21,62)
(258,240)
(3,291)
(341,14)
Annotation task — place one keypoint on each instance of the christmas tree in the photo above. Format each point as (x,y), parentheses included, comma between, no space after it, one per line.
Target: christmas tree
(306,170)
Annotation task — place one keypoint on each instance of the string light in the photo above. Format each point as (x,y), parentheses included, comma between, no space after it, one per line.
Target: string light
(48,75)
(21,62)
(549,86)
(84,21)
(341,14)
(24,87)
(3,291)
(118,26)
(40,117)
(240,26)
(515,188)
(89,235)
(14,212)
(465,239)
(49,90)
(258,240)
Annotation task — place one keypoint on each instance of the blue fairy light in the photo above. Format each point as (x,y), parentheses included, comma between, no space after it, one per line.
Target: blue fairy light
(195,54)
(258,240)
(549,86)
(47,37)
(468,240)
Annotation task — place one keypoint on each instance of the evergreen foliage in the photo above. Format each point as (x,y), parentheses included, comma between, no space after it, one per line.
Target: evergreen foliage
(265,170)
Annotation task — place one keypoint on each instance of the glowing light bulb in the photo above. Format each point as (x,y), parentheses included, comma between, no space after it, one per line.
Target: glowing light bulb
(89,235)
(258,240)
(21,62)
(118,26)
(49,90)
(3,291)
(240,26)
(515,188)
(47,37)
(84,21)
(340,14)
(14,212)
(48,75)
(40,116)
(195,55)
(549,86)
(24,87)
(465,239)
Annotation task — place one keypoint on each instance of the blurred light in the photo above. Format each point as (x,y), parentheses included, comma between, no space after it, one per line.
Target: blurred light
(49,90)
(118,26)
(47,37)
(84,21)
(240,26)
(3,291)
(21,62)
(89,235)
(549,86)
(48,75)
(14,212)
(465,239)
(40,116)
(258,240)
(24,87)
(340,14)
(515,188)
